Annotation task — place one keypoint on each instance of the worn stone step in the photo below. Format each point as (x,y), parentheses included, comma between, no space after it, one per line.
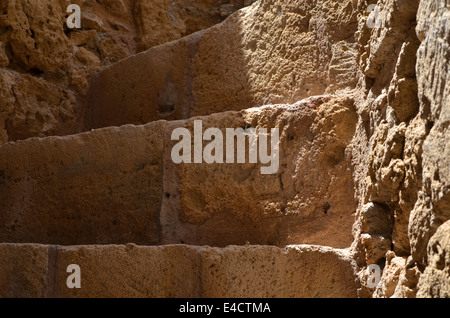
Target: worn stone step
(121,184)
(32,270)
(99,187)
(270,52)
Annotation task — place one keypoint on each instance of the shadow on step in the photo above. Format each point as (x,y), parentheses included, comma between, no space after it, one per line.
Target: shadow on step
(269,52)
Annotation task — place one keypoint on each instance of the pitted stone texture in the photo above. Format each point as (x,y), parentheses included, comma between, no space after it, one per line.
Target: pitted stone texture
(98,187)
(309,199)
(23,271)
(293,272)
(131,271)
(4,60)
(270,52)
(159,22)
(48,66)
(117,271)
(392,23)
(403,129)
(386,169)
(35,34)
(433,205)
(435,281)
(34,107)
(390,278)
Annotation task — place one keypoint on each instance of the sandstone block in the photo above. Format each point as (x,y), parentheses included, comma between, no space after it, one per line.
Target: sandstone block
(23,271)
(269,272)
(308,199)
(174,271)
(98,187)
(231,67)
(435,281)
(118,271)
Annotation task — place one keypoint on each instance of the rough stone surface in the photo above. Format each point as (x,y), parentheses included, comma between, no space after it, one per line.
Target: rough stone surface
(51,199)
(130,271)
(390,278)
(47,66)
(308,200)
(34,34)
(270,52)
(270,272)
(35,107)
(404,125)
(37,46)
(435,281)
(433,205)
(178,271)
(99,187)
(361,98)
(23,271)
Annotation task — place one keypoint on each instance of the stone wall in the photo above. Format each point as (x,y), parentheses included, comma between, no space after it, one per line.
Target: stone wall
(374,148)
(45,67)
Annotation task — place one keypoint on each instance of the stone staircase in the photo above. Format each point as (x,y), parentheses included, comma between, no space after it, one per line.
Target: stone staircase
(81,195)
(184,271)
(112,200)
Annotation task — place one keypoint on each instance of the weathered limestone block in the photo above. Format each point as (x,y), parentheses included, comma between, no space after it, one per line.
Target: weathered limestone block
(30,270)
(392,23)
(309,198)
(130,271)
(35,107)
(390,278)
(4,61)
(262,271)
(98,187)
(23,271)
(7,105)
(412,157)
(35,34)
(386,169)
(433,206)
(407,281)
(48,66)
(402,92)
(270,52)
(399,279)
(435,281)
(375,247)
(376,219)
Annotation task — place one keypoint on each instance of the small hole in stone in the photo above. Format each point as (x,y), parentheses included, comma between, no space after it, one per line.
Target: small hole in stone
(35,71)
(326,207)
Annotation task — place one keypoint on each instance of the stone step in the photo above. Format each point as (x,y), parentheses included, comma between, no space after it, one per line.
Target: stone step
(270,52)
(33,270)
(121,185)
(98,187)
